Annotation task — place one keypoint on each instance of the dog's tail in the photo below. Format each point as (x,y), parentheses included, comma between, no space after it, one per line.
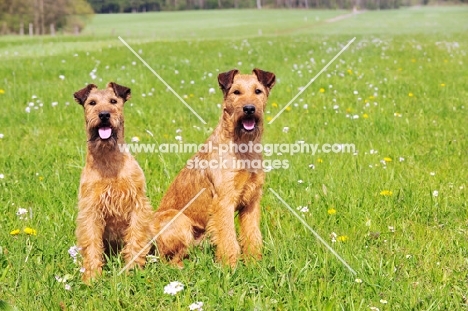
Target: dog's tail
(175,234)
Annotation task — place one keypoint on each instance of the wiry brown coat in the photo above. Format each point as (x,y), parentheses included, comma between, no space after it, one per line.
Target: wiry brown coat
(113,208)
(228,189)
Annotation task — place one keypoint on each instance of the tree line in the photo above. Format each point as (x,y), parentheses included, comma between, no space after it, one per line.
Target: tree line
(36,17)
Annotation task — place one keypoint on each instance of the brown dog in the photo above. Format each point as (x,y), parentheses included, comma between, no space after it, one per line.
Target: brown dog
(113,207)
(231,184)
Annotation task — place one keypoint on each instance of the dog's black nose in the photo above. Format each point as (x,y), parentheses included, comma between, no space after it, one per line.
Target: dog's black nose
(104,116)
(249,109)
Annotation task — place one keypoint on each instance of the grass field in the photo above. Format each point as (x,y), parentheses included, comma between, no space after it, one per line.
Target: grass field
(397,205)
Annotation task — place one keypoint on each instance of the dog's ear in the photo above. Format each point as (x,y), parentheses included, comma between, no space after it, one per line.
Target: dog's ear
(266,78)
(82,95)
(121,91)
(225,80)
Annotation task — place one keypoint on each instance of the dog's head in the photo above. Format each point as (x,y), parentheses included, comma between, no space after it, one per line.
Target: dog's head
(245,98)
(103,111)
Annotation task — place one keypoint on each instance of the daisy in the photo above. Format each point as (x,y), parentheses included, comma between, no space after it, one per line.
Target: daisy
(196,306)
(173,288)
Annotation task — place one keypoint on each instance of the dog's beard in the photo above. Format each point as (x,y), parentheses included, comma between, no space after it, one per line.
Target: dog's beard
(248,128)
(103,137)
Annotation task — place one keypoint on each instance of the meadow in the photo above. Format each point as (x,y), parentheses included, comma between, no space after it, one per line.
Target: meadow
(395,209)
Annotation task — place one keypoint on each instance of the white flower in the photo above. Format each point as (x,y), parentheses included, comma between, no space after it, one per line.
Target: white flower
(374,308)
(372,151)
(333,237)
(28,109)
(135,139)
(335,107)
(74,251)
(358,281)
(401,159)
(211,90)
(304,209)
(196,306)
(305,106)
(435,193)
(173,288)
(300,181)
(82,269)
(1,136)
(54,104)
(391,228)
(285,129)
(355,92)
(383,301)
(67,287)
(311,166)
(21,213)
(432,173)
(178,137)
(62,77)
(178,131)
(2,176)
(59,279)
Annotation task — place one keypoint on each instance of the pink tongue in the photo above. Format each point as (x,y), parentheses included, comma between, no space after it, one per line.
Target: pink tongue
(248,124)
(105,132)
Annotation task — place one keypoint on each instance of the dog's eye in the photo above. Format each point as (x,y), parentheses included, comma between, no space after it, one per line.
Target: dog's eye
(113,101)
(92,103)
(237,92)
(258,91)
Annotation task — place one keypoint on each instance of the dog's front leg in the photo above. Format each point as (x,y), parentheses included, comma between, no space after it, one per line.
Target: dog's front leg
(249,223)
(89,233)
(137,237)
(223,232)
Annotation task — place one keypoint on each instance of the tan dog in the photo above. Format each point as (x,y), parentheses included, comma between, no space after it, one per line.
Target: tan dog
(229,188)
(113,208)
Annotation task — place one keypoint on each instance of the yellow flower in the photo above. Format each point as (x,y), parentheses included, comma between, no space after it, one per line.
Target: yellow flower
(399,69)
(365,116)
(442,84)
(319,160)
(350,71)
(386,193)
(191,95)
(371,97)
(410,94)
(41,178)
(387,159)
(30,231)
(15,232)
(322,90)
(342,238)
(288,108)
(348,110)
(331,211)
(2,91)
(274,105)
(413,60)
(269,118)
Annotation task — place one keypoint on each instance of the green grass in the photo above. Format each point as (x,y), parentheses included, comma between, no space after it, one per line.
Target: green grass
(422,265)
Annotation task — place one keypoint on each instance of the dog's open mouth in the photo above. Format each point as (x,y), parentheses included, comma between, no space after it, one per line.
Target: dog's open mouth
(105,132)
(249,124)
